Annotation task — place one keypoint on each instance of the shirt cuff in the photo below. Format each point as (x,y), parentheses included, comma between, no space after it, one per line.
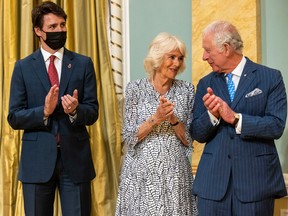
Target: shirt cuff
(213,119)
(72,117)
(238,127)
(45,119)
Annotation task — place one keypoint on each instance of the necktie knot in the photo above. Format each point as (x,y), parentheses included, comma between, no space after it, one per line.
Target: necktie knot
(52,58)
(228,75)
(230,85)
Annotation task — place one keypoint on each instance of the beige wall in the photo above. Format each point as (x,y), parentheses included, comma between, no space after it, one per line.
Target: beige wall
(245,15)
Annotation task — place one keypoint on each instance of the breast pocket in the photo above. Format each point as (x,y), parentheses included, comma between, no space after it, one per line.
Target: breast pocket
(255,104)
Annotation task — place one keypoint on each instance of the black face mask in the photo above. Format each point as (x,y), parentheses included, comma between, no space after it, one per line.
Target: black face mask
(55,40)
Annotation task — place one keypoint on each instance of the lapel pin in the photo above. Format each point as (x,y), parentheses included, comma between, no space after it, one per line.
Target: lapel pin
(69,66)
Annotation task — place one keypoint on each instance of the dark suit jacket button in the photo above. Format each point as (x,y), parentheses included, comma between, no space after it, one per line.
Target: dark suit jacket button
(229,156)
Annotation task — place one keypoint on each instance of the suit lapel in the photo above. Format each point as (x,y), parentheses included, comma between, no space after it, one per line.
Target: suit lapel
(38,62)
(67,68)
(246,80)
(220,87)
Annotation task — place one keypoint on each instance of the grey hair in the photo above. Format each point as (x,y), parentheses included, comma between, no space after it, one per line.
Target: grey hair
(224,32)
(162,44)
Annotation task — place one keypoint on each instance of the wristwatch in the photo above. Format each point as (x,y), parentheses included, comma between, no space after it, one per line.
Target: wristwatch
(237,117)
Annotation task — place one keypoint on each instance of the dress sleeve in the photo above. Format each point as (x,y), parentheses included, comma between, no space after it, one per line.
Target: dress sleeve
(130,127)
(189,114)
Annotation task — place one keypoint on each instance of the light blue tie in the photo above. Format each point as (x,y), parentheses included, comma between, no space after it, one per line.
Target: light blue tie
(231,88)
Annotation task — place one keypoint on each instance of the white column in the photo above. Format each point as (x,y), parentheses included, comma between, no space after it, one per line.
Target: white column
(116,45)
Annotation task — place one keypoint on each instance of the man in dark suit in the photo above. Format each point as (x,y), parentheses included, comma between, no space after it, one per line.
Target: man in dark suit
(239,172)
(54,114)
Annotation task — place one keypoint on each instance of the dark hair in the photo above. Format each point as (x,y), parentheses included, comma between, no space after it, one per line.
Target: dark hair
(44,9)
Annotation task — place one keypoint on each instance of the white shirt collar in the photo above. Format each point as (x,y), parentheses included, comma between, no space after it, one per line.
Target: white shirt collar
(239,69)
(58,54)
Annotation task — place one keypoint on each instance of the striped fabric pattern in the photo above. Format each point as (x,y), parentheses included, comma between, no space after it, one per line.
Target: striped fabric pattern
(249,159)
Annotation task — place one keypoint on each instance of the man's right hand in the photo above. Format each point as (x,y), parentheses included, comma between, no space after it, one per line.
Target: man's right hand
(51,100)
(211,102)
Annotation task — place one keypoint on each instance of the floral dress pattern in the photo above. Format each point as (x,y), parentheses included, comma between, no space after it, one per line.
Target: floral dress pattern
(156,177)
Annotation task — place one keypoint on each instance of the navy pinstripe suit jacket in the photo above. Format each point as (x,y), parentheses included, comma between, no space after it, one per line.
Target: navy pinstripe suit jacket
(250,158)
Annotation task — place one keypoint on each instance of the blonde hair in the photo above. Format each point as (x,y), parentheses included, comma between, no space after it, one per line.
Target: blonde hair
(162,44)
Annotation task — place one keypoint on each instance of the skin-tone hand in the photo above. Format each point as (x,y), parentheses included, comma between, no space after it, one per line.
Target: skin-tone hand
(217,107)
(51,100)
(211,102)
(226,113)
(69,102)
(164,110)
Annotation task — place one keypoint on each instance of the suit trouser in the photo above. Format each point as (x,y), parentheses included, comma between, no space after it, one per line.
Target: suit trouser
(230,205)
(75,198)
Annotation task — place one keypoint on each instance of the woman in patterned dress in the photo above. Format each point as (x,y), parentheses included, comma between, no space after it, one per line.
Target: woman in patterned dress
(156,177)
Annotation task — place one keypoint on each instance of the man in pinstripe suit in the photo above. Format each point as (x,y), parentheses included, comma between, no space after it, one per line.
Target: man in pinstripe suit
(239,172)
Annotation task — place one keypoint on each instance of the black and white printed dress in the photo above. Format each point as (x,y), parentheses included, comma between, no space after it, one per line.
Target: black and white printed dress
(156,177)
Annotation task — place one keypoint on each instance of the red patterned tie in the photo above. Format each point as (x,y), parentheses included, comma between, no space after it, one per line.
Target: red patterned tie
(53,76)
(52,72)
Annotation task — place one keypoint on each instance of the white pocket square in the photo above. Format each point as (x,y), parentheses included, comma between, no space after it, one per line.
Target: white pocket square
(255,92)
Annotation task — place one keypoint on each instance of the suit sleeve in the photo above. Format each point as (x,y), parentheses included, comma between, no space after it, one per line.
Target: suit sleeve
(201,128)
(87,110)
(21,116)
